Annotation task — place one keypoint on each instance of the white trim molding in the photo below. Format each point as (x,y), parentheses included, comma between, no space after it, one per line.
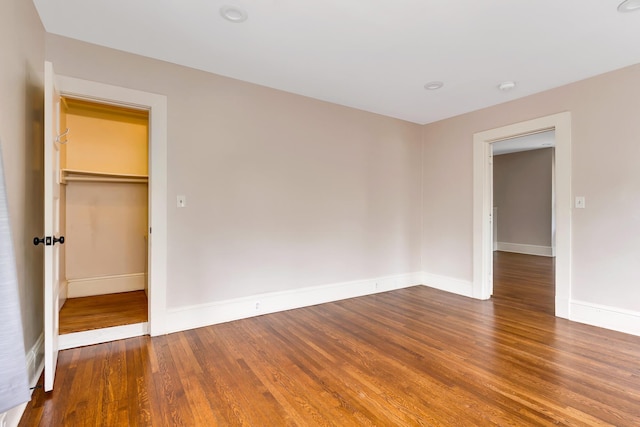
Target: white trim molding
(448,284)
(12,417)
(196,316)
(35,360)
(602,316)
(156,105)
(521,248)
(90,286)
(99,336)
(35,365)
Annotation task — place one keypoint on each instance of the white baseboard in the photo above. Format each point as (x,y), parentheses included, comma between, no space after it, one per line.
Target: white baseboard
(196,316)
(77,288)
(11,418)
(35,360)
(64,292)
(521,248)
(448,284)
(35,365)
(607,317)
(99,336)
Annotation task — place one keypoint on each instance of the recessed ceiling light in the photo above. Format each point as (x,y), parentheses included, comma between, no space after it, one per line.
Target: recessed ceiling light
(233,14)
(629,6)
(507,86)
(433,85)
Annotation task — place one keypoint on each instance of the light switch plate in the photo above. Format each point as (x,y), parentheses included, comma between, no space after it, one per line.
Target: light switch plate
(580,202)
(182,201)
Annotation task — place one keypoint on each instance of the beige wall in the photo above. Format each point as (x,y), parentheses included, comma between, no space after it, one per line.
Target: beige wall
(522,190)
(106,224)
(21,101)
(283,192)
(105,139)
(605,153)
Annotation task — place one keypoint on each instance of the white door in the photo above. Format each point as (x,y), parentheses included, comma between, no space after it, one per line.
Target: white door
(51,239)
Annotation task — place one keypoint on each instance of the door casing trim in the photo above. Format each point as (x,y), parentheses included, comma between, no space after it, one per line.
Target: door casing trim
(482,200)
(156,105)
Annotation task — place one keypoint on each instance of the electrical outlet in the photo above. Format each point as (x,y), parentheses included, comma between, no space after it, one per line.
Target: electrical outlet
(258,305)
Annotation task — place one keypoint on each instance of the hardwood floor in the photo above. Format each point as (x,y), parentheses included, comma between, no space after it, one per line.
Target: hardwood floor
(416,356)
(525,281)
(103,311)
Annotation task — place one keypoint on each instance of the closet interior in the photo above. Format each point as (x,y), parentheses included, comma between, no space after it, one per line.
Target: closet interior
(104,215)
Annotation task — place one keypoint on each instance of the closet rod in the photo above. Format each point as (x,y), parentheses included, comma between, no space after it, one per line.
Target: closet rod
(105,179)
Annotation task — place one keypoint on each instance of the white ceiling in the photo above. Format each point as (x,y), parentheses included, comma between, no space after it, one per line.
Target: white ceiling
(375,55)
(530,142)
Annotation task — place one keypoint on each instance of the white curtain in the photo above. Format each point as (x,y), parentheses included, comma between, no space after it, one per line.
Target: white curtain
(14,384)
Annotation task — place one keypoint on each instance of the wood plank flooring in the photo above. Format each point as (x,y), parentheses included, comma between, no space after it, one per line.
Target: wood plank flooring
(411,357)
(103,311)
(525,281)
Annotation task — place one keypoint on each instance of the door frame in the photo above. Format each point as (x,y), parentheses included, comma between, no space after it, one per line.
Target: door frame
(483,196)
(156,105)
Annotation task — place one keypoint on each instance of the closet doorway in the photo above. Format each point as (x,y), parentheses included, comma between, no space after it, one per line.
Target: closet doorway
(104,164)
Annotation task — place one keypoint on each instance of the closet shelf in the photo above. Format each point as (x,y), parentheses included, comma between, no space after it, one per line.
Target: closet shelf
(72,175)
